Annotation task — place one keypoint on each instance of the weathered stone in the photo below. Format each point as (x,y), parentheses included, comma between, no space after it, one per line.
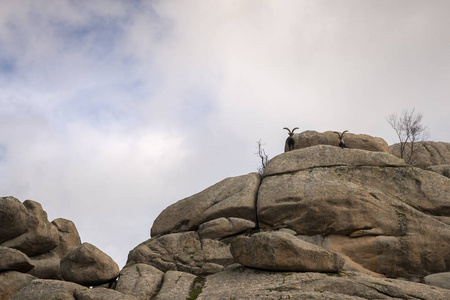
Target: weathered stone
(387,210)
(223,227)
(244,283)
(88,265)
(11,282)
(68,236)
(441,280)
(46,266)
(42,289)
(183,251)
(427,153)
(101,294)
(353,141)
(232,197)
(441,169)
(13,218)
(281,251)
(328,156)
(176,285)
(140,280)
(12,259)
(41,236)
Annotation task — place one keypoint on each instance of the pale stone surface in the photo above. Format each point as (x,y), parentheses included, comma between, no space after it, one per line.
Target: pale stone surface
(11,282)
(47,265)
(101,294)
(140,280)
(282,251)
(183,251)
(42,289)
(223,227)
(353,141)
(12,259)
(427,153)
(88,265)
(243,283)
(441,280)
(41,236)
(325,156)
(13,218)
(68,236)
(383,212)
(231,197)
(176,285)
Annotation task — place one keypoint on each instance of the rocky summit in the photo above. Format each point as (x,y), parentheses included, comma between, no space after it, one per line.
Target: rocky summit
(322,222)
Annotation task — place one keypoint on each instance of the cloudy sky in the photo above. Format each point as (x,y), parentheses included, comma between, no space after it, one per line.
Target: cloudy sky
(112,110)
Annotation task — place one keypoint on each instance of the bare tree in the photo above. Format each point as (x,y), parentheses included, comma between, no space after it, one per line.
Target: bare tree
(263,156)
(410,131)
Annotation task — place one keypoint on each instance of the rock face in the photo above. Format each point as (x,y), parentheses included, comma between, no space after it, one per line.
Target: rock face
(353,141)
(282,251)
(321,223)
(232,197)
(12,259)
(88,265)
(428,153)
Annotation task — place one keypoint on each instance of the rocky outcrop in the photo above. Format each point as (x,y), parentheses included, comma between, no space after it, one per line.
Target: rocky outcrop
(88,265)
(232,197)
(242,283)
(282,251)
(322,222)
(11,282)
(427,154)
(13,218)
(354,141)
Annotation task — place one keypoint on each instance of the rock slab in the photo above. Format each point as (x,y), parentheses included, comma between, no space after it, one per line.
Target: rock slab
(282,251)
(88,265)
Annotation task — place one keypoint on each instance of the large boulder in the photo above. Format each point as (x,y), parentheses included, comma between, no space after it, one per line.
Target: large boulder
(40,237)
(441,280)
(11,282)
(68,236)
(176,285)
(88,265)
(13,218)
(183,251)
(12,259)
(232,197)
(354,141)
(382,209)
(282,251)
(244,283)
(140,280)
(427,154)
(46,265)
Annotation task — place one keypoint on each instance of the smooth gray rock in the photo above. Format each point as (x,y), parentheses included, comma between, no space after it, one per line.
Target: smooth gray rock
(441,280)
(328,156)
(232,197)
(14,260)
(68,236)
(176,285)
(183,251)
(282,251)
(88,265)
(427,153)
(13,218)
(223,227)
(140,280)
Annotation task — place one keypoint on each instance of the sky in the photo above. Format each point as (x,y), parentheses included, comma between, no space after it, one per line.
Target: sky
(110,111)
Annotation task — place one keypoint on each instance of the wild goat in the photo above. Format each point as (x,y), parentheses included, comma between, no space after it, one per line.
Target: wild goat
(341,139)
(290,142)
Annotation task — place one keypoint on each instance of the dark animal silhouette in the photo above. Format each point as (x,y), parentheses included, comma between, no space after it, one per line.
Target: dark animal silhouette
(290,142)
(341,139)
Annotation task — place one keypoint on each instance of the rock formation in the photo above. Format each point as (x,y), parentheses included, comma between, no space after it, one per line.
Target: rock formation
(322,222)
